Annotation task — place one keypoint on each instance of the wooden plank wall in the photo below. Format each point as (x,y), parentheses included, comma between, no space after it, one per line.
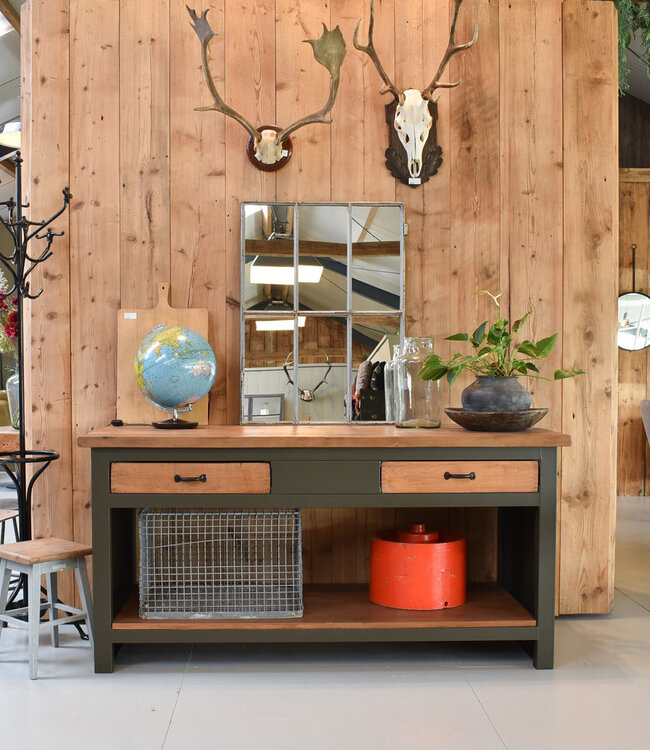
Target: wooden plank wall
(633,470)
(524,203)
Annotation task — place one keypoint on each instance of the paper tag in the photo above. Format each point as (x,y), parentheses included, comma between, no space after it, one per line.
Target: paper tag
(414,181)
(130,316)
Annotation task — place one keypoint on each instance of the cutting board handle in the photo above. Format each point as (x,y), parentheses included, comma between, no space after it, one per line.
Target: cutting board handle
(163,296)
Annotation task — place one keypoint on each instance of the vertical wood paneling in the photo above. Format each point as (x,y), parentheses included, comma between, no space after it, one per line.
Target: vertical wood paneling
(197,189)
(302,87)
(632,465)
(430,249)
(94,231)
(144,150)
(358,131)
(489,219)
(530,40)
(474,164)
(48,385)
(590,287)
(249,86)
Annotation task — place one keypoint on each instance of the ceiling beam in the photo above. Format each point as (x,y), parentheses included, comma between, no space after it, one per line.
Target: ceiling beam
(370,219)
(322,249)
(10,13)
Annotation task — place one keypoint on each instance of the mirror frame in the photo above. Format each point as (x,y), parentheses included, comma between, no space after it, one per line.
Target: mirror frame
(618,301)
(348,313)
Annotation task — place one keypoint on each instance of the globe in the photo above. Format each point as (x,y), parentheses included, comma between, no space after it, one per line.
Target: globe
(174,368)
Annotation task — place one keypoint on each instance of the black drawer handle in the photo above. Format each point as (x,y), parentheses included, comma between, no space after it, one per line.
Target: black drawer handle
(471,475)
(179,478)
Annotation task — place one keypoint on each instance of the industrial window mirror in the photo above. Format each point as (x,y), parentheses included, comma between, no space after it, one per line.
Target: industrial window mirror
(322,292)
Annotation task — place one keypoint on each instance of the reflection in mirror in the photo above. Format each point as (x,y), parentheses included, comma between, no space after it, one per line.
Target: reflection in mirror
(373,338)
(376,258)
(322,371)
(323,257)
(333,319)
(633,321)
(269,248)
(265,394)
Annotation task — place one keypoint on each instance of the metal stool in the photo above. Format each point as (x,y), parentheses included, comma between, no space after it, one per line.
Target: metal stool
(34,559)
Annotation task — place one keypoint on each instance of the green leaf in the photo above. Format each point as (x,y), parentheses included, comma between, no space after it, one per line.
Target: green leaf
(545,346)
(563,374)
(457,337)
(516,326)
(531,366)
(528,348)
(452,376)
(485,350)
(495,334)
(479,334)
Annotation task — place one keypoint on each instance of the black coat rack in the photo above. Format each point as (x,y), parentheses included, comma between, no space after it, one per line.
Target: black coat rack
(19,264)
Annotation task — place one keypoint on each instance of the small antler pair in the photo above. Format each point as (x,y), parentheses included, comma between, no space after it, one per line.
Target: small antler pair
(329,51)
(306,394)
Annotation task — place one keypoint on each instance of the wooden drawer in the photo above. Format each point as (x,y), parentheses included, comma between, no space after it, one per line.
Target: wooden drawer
(442,476)
(203,478)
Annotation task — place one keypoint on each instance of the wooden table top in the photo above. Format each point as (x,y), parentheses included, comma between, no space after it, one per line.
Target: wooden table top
(316,436)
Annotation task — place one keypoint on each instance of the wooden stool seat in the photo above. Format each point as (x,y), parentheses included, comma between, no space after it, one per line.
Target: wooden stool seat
(43,550)
(34,559)
(7,515)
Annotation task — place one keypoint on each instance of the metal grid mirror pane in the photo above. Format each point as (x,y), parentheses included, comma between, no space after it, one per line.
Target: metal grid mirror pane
(310,272)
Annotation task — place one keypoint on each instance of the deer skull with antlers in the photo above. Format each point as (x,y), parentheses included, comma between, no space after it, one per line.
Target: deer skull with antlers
(269,147)
(412,114)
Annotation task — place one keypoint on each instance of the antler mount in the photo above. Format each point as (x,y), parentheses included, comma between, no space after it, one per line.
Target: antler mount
(269,147)
(413,155)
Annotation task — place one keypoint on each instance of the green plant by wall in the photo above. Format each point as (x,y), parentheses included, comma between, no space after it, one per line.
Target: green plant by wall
(632,18)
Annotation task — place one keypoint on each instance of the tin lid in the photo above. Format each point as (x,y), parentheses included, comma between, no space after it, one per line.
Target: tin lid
(417,534)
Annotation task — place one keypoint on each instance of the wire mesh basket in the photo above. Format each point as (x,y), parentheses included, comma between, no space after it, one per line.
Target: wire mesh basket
(202,563)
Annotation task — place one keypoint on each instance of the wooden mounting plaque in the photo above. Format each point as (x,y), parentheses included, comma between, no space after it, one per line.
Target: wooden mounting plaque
(132,326)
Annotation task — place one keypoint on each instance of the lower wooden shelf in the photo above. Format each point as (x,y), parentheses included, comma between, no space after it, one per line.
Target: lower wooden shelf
(331,607)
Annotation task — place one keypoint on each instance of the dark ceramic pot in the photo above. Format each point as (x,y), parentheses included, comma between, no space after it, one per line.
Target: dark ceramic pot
(500,394)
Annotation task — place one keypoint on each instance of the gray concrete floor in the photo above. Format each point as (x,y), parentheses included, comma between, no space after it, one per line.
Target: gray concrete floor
(372,697)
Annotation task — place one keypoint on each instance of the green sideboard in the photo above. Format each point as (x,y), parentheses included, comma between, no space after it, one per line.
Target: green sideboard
(339,466)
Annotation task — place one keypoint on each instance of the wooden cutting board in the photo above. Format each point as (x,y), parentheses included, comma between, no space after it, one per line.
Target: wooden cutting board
(132,326)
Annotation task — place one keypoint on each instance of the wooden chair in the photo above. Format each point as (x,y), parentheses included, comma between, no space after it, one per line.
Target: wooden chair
(37,558)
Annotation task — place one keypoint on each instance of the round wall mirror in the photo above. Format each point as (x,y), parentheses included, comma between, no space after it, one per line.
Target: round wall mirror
(633,321)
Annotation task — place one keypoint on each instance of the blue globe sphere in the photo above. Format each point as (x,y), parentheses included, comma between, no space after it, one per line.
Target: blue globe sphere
(174,367)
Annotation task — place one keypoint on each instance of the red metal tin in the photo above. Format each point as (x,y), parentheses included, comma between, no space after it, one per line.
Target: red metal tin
(417,569)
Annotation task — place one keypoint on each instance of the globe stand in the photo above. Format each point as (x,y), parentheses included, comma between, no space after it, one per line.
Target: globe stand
(175,423)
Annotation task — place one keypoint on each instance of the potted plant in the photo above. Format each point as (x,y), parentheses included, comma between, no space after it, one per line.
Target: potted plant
(500,357)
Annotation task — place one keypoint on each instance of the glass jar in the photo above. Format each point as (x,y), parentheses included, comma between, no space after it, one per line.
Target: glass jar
(12,386)
(390,384)
(417,402)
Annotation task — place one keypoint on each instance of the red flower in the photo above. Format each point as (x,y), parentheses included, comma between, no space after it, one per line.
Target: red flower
(11,329)
(13,317)
(14,301)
